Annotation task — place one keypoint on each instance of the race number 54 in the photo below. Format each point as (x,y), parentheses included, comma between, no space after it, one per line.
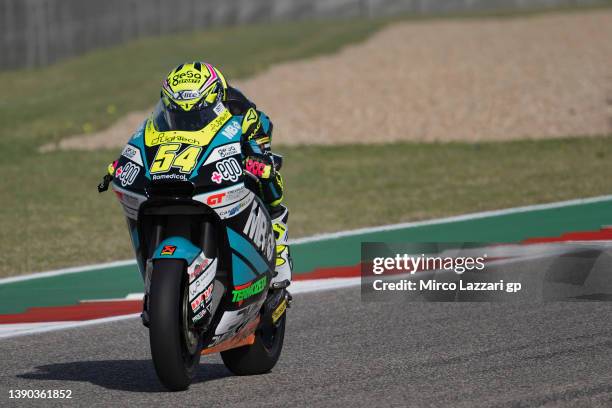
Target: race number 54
(167,157)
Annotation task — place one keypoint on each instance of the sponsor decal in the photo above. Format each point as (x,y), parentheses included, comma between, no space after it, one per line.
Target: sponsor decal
(228,212)
(130,201)
(182,177)
(278,312)
(231,194)
(259,230)
(127,173)
(219,108)
(231,130)
(221,152)
(186,95)
(200,315)
(219,121)
(202,298)
(132,153)
(254,288)
(168,250)
(215,199)
(163,138)
(188,77)
(228,169)
(198,285)
(228,202)
(233,321)
(200,264)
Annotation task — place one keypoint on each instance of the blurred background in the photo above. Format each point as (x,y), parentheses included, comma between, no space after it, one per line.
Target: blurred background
(386,110)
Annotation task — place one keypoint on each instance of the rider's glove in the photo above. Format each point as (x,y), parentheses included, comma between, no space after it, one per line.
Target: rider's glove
(261,166)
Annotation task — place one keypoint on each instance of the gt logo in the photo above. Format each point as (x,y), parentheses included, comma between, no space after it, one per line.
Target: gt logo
(228,169)
(127,173)
(215,199)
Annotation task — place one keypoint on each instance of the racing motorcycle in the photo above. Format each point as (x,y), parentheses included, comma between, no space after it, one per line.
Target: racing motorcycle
(204,246)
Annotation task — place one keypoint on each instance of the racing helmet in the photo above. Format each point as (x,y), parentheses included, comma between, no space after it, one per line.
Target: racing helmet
(191,97)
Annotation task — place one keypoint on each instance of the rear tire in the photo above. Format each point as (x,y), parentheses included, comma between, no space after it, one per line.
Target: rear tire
(175,356)
(261,356)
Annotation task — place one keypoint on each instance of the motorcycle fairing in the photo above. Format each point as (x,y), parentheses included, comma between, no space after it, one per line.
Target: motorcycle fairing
(243,219)
(247,263)
(176,248)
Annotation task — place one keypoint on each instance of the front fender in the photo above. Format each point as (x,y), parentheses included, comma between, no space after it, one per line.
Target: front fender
(176,248)
(201,272)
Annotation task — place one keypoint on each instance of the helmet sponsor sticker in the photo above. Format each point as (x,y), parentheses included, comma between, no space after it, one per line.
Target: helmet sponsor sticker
(188,77)
(186,95)
(132,153)
(219,108)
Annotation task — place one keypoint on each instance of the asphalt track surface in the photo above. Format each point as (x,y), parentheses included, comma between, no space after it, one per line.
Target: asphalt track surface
(340,351)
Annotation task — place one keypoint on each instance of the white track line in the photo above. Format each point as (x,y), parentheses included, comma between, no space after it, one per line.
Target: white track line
(24,329)
(297,287)
(341,234)
(66,271)
(453,219)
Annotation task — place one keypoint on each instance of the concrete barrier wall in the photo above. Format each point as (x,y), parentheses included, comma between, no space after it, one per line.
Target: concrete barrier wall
(39,32)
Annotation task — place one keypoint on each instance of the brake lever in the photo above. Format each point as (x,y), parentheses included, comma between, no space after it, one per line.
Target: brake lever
(103,186)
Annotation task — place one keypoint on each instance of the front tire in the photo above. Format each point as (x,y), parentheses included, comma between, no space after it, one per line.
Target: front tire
(261,356)
(175,350)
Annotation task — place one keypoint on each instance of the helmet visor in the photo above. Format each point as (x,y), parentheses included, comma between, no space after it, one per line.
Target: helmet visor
(168,118)
(190,120)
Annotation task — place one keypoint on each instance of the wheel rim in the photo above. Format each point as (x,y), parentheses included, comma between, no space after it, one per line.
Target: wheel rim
(190,337)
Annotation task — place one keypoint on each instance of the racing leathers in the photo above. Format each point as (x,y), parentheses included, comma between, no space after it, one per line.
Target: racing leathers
(259,161)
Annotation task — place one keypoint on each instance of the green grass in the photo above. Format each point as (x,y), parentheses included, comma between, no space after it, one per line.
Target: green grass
(52,216)
(57,218)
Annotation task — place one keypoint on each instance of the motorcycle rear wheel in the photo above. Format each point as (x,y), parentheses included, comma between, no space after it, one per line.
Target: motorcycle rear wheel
(261,356)
(174,348)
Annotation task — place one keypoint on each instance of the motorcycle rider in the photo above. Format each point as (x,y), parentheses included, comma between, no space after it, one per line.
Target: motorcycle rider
(189,95)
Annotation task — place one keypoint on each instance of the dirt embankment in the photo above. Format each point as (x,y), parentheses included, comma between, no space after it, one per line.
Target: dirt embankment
(455,80)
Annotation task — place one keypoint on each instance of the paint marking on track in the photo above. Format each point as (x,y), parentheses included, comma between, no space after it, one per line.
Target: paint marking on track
(341,234)
(297,287)
(453,219)
(24,329)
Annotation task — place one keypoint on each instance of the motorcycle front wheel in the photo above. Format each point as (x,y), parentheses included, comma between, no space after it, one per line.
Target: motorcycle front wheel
(175,348)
